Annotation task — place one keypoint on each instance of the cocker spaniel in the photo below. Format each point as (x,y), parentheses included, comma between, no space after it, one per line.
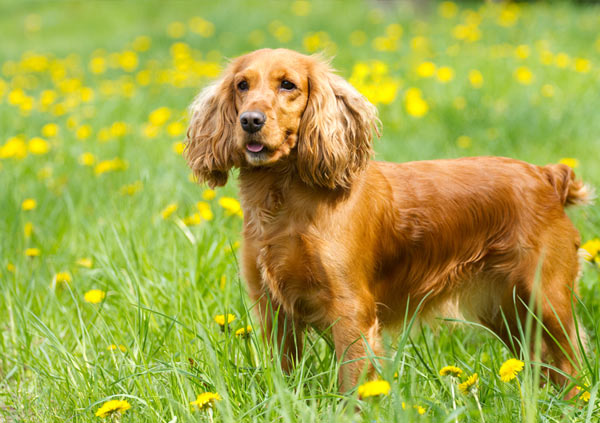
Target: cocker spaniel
(336,240)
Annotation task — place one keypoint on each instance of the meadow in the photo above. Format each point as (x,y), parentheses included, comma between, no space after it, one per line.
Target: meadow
(118,272)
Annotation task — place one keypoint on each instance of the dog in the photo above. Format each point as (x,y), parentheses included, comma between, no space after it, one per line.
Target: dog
(336,240)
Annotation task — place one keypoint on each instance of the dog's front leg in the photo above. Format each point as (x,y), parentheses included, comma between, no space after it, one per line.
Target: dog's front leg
(281,331)
(357,343)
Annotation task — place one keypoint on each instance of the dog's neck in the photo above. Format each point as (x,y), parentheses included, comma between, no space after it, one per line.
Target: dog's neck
(268,192)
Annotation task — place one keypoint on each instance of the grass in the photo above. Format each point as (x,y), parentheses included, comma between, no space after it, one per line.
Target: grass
(165,280)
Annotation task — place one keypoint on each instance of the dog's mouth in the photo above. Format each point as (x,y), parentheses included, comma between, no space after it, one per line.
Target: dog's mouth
(257,153)
(255,147)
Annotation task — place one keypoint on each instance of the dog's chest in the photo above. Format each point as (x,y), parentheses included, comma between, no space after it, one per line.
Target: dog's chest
(293,276)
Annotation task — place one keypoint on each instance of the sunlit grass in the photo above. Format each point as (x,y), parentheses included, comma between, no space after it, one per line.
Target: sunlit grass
(114,263)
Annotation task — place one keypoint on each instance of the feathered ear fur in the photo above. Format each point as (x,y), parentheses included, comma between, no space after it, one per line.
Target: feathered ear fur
(210,144)
(336,132)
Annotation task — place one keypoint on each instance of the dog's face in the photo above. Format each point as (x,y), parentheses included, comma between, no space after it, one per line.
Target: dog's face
(271,94)
(279,105)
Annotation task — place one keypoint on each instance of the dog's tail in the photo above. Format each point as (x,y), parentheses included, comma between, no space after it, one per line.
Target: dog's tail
(571,191)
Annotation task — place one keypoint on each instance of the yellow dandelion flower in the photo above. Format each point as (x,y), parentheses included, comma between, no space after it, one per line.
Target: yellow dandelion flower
(394,31)
(582,65)
(509,370)
(231,205)
(150,130)
(83,132)
(569,161)
(50,130)
(28,229)
(71,122)
(15,148)
(447,9)
(283,33)
(547,90)
(194,219)
(522,51)
(144,77)
(421,410)
(546,57)
(110,165)
(176,29)
(47,97)
(28,204)
(178,147)
(44,173)
(205,211)
(11,267)
(32,252)
(206,399)
(523,75)
(384,44)
(168,211)
(113,347)
(445,74)
(450,371)
(63,278)
(374,388)
(118,129)
(142,43)
(475,78)
(94,296)
(562,60)
(86,159)
(301,7)
(128,61)
(414,103)
(159,116)
(175,129)
(469,384)
(209,194)
(103,134)
(585,395)
(509,15)
(244,332)
(591,248)
(426,69)
(202,27)
(97,65)
(38,146)
(220,319)
(112,407)
(87,94)
(464,141)
(85,262)
(131,189)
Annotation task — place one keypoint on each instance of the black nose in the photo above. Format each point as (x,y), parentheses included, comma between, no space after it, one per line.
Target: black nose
(252,121)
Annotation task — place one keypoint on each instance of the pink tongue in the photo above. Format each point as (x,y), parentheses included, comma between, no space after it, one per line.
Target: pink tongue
(254,147)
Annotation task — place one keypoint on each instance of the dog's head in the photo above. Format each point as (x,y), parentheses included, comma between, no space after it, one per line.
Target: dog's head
(275,105)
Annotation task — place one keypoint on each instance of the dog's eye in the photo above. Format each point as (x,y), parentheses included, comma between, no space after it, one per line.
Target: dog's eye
(287,85)
(242,86)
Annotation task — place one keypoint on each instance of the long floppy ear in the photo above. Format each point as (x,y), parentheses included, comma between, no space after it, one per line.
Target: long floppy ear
(336,131)
(210,145)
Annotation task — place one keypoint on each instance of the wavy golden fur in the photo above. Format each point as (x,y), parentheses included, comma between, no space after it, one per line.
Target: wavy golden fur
(336,240)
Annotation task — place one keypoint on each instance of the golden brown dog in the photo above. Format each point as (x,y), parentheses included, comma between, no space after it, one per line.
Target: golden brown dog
(336,240)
